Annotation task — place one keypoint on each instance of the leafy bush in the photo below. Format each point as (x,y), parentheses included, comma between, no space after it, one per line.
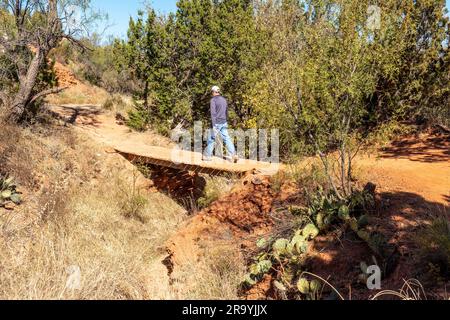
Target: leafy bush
(139,118)
(286,255)
(142,118)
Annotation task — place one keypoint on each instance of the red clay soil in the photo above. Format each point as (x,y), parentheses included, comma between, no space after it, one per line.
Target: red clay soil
(65,76)
(234,219)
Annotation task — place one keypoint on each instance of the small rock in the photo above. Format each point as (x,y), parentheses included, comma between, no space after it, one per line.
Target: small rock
(370,188)
(257,181)
(9,206)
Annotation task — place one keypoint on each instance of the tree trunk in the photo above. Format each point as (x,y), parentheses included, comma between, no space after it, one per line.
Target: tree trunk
(27,80)
(26,86)
(146,90)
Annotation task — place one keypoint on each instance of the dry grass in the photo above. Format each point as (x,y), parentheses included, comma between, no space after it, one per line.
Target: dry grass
(75,217)
(79,94)
(411,290)
(84,211)
(215,188)
(118,104)
(217,276)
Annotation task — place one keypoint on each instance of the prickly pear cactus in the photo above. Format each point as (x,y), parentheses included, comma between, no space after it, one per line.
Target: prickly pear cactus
(353,224)
(8,191)
(281,247)
(303,286)
(344,213)
(300,244)
(315,286)
(320,221)
(310,231)
(363,221)
(364,235)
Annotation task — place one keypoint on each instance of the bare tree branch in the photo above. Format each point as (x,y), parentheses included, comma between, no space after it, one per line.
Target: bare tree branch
(47,92)
(40,37)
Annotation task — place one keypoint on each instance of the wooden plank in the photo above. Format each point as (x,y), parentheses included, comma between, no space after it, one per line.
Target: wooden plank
(190,161)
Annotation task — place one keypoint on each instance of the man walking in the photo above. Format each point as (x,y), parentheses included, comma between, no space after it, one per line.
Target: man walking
(219,117)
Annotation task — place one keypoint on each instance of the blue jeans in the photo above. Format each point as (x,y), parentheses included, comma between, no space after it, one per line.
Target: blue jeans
(222,131)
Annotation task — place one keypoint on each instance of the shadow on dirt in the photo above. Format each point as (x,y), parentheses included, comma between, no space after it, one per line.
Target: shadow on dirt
(398,217)
(414,151)
(85,115)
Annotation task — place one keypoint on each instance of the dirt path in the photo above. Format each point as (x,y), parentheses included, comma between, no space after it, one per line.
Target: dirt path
(413,186)
(104,128)
(416,165)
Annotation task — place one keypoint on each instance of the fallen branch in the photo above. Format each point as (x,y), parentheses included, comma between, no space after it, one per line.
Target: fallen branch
(77,43)
(443,128)
(47,92)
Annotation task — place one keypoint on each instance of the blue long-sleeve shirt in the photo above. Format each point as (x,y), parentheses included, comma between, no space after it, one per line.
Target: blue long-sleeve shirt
(219,110)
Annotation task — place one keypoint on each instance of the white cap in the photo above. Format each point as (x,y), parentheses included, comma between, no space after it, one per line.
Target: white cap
(215,89)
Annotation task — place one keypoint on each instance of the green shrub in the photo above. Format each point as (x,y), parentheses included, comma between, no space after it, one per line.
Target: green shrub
(139,118)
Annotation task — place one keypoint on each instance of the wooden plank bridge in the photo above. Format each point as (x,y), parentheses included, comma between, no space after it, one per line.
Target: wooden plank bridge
(192,162)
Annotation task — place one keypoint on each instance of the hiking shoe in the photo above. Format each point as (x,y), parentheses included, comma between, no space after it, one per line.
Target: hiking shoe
(235,159)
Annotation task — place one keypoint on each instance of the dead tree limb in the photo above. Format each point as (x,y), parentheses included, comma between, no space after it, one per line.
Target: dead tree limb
(46,93)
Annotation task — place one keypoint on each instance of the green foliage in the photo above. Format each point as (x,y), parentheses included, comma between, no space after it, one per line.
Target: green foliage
(176,59)
(8,76)
(15,59)
(328,68)
(315,70)
(287,252)
(8,191)
(139,118)
(303,286)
